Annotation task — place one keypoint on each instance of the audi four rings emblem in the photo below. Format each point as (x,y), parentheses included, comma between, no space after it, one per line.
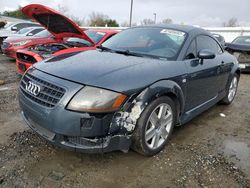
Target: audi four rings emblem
(33,88)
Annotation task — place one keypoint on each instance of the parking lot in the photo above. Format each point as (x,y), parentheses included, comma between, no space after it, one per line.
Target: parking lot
(212,150)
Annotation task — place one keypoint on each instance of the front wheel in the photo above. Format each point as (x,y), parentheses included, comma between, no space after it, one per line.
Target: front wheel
(231,91)
(155,126)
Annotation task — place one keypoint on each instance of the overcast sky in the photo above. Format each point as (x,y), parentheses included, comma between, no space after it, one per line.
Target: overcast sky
(195,12)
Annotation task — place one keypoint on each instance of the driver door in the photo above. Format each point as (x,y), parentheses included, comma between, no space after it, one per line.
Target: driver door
(201,83)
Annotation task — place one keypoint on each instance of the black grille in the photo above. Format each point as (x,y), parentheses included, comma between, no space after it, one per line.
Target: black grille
(49,94)
(26,58)
(5,45)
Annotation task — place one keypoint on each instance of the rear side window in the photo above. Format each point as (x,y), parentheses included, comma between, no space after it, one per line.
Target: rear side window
(35,31)
(206,42)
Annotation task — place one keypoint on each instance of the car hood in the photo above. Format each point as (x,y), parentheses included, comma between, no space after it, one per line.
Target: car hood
(237,47)
(5,33)
(56,23)
(112,71)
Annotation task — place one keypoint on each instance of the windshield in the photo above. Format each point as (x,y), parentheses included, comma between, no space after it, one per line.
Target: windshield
(148,41)
(95,36)
(78,40)
(242,40)
(43,33)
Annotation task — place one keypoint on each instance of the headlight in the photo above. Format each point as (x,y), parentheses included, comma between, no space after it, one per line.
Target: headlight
(21,43)
(90,99)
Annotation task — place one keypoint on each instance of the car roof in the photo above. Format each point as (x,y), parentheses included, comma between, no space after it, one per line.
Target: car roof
(183,28)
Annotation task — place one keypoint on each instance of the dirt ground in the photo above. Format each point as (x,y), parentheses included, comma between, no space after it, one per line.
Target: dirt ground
(213,150)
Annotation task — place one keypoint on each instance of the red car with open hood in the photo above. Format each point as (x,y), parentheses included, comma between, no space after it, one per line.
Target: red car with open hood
(72,38)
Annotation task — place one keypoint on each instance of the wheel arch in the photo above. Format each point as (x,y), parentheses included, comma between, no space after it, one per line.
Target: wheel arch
(163,88)
(238,72)
(125,120)
(235,70)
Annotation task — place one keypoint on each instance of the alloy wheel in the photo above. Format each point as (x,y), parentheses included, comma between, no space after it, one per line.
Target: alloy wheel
(232,89)
(158,126)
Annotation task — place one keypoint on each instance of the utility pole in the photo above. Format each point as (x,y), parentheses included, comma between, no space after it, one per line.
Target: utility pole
(154,17)
(131,13)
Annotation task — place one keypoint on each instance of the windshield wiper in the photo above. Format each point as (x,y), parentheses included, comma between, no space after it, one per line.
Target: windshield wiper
(103,48)
(129,53)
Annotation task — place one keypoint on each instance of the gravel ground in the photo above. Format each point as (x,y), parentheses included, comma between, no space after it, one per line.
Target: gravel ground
(213,150)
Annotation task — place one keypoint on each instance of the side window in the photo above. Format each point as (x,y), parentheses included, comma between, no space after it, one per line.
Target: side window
(206,42)
(108,37)
(31,24)
(191,51)
(35,31)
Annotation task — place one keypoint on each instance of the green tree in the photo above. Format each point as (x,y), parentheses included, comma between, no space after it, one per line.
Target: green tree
(112,23)
(15,13)
(99,19)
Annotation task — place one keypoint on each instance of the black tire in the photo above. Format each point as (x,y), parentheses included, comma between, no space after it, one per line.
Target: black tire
(227,100)
(139,138)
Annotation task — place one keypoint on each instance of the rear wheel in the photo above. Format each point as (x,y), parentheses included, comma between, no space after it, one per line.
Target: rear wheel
(231,91)
(155,126)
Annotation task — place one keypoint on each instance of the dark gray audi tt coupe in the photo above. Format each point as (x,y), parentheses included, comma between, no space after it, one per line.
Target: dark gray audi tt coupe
(131,91)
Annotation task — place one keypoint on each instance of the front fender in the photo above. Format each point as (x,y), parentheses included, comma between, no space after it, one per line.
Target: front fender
(235,70)
(161,88)
(125,120)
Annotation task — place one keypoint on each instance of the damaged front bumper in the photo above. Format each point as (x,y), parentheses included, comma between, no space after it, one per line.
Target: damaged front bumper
(84,132)
(244,67)
(82,144)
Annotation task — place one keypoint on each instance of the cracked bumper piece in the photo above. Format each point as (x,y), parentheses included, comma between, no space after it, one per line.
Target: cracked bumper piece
(81,144)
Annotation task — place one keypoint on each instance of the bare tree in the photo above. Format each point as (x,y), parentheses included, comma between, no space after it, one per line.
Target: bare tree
(167,21)
(78,21)
(232,22)
(64,10)
(147,21)
(126,24)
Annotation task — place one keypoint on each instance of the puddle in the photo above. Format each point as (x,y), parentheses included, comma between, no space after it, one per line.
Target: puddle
(238,153)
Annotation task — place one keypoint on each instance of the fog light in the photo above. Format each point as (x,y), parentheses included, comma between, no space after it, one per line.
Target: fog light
(86,123)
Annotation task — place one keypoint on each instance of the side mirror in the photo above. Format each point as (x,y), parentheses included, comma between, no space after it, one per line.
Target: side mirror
(206,54)
(13,28)
(30,34)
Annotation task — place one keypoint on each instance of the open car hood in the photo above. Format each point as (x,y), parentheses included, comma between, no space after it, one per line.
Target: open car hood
(56,23)
(237,47)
